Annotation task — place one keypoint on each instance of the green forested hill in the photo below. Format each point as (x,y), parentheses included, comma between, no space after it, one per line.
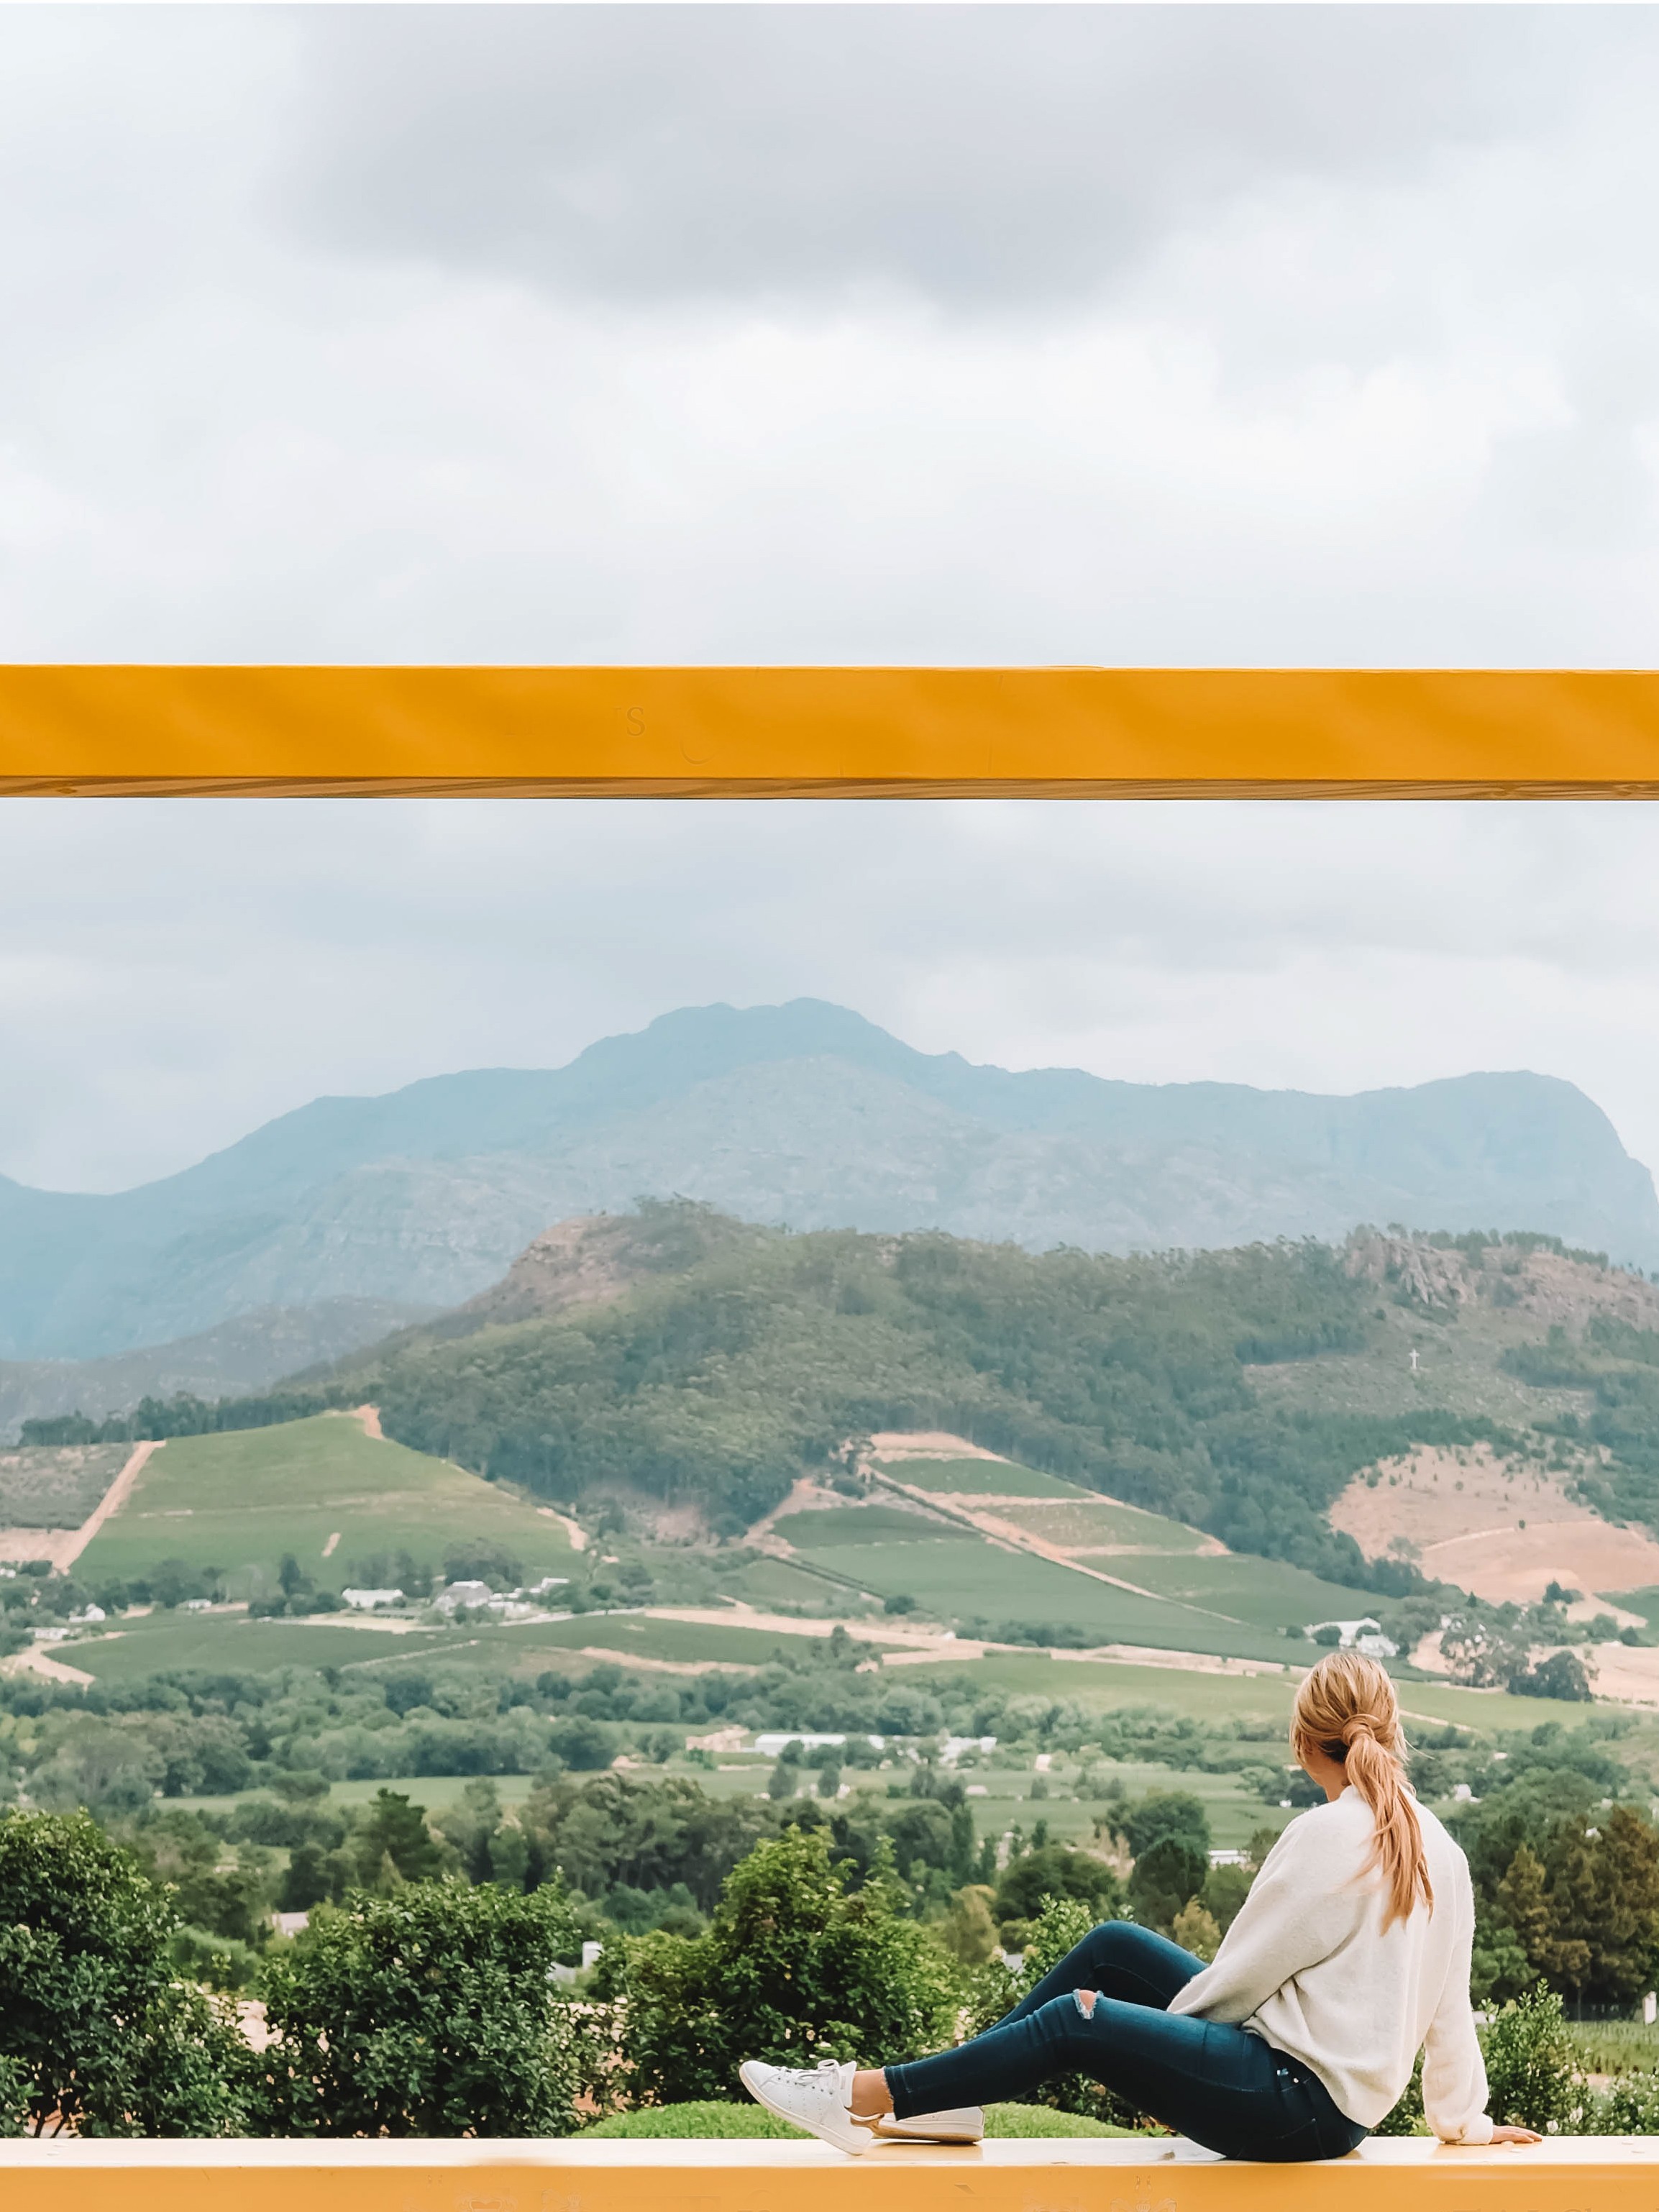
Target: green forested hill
(724,1381)
(1235,1391)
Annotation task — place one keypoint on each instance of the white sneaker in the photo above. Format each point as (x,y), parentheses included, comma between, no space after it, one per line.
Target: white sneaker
(817,2098)
(966,2125)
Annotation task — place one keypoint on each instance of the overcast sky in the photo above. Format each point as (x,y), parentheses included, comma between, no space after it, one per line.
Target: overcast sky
(1308,335)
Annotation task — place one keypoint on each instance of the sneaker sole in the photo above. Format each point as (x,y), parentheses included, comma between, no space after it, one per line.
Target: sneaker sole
(794,2119)
(927,2135)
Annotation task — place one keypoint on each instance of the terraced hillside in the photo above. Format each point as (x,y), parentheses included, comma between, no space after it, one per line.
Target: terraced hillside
(1007,1551)
(1271,1401)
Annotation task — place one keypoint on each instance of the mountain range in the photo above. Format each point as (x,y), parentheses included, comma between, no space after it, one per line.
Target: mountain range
(804,1114)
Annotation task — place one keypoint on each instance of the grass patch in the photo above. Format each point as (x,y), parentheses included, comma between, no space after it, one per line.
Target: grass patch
(236,1502)
(979,1477)
(706,2120)
(684,1643)
(866,1524)
(1643,1601)
(968,1582)
(696,2121)
(781,1582)
(1108,1683)
(1075,1524)
(1615,2046)
(1039,2123)
(232,1642)
(1264,1593)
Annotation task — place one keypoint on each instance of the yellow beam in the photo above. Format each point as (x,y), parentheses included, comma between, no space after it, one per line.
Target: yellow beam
(777,732)
(1596,2174)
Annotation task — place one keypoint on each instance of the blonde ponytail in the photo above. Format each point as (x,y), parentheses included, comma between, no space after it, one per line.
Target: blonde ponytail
(1347,1708)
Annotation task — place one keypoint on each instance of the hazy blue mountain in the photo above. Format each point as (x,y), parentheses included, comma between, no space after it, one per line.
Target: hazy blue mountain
(805,1113)
(247,1354)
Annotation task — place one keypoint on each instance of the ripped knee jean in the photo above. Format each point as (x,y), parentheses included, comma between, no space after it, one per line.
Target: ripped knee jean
(1221,2086)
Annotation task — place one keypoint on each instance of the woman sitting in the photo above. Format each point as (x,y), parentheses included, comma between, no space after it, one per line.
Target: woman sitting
(1349,1956)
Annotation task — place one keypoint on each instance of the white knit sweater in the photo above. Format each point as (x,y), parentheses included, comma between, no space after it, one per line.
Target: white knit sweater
(1308,1966)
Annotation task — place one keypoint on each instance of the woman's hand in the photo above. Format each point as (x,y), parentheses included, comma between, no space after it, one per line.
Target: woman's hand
(1515,2135)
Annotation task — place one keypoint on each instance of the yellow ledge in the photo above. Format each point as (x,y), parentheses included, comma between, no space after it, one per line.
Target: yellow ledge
(1612,2173)
(1050,733)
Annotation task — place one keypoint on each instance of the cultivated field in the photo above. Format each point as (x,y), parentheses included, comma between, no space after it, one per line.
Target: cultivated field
(230,1643)
(322,1489)
(1026,1548)
(977,1478)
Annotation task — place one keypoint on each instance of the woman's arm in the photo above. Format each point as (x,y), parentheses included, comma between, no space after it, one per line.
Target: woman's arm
(1453,2072)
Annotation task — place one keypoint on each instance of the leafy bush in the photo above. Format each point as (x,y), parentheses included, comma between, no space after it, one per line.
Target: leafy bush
(1564,1676)
(478,1560)
(1163,1812)
(967,1931)
(1631,2107)
(1061,1926)
(95,2027)
(795,1966)
(1025,2123)
(1055,1871)
(1408,2117)
(1164,1879)
(221,1961)
(1532,2075)
(587,1745)
(431,2013)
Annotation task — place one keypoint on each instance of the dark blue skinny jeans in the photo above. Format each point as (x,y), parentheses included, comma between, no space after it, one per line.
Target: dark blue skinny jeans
(1224,2087)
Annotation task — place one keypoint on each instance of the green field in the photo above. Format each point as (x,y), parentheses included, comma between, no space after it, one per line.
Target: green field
(165,1641)
(1104,1521)
(236,1502)
(831,1525)
(1108,1683)
(160,1642)
(780,1582)
(1264,1593)
(1215,1697)
(978,1478)
(681,1643)
(967,1582)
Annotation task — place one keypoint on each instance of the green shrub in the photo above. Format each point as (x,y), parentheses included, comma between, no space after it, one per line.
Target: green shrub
(1062,1924)
(1631,2107)
(95,2027)
(1532,2074)
(1056,1871)
(795,1966)
(1407,2117)
(221,1961)
(430,2013)
(1025,2123)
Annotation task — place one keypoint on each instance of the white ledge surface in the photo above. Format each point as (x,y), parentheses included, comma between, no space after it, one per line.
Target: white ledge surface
(1416,2153)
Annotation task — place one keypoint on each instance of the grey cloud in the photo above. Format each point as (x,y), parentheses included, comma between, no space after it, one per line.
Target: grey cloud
(974,155)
